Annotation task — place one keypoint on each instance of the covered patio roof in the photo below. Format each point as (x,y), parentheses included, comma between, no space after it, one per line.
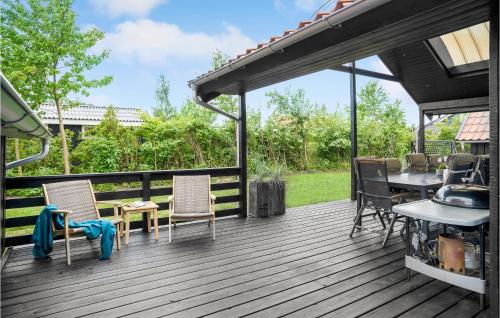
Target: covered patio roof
(398,31)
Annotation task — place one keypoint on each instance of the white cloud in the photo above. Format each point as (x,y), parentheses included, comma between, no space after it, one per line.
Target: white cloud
(136,8)
(307,5)
(152,42)
(279,5)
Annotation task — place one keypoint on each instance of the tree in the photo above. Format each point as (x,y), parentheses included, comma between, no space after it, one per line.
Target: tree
(225,102)
(382,129)
(163,108)
(45,55)
(297,108)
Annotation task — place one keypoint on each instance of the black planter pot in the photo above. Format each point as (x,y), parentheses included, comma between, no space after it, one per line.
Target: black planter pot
(266,199)
(276,198)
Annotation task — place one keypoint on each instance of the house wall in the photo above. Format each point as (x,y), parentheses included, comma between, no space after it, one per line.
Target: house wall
(76,129)
(480,148)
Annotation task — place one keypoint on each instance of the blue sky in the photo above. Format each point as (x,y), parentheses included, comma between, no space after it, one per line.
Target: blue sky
(176,38)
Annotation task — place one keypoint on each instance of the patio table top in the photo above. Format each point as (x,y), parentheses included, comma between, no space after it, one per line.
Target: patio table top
(428,210)
(419,179)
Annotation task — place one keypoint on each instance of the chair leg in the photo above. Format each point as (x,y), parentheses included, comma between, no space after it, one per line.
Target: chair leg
(209,223)
(170,229)
(68,252)
(118,239)
(389,231)
(214,228)
(381,219)
(356,220)
(67,239)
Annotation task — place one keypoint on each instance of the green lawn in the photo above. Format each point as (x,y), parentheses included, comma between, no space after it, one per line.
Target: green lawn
(310,188)
(302,189)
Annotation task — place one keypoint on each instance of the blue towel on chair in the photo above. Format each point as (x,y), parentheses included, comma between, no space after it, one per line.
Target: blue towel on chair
(42,235)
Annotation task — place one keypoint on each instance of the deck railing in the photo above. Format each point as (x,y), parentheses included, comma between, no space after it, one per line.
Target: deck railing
(146,191)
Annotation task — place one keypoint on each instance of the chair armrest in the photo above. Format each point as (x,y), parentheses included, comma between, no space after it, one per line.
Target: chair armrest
(170,198)
(213,197)
(115,203)
(62,211)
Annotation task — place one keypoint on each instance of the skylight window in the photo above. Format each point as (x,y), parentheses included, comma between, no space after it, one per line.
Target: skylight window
(465,50)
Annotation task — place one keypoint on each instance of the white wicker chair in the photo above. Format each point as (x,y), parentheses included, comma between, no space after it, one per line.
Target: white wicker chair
(76,200)
(191,200)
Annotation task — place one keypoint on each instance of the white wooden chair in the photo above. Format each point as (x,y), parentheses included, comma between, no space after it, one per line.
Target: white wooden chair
(76,200)
(191,200)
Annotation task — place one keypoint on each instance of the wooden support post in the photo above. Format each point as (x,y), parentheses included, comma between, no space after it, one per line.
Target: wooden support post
(494,102)
(421,132)
(146,196)
(354,131)
(242,153)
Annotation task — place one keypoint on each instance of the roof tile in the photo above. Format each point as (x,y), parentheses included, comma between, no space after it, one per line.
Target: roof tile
(475,127)
(89,112)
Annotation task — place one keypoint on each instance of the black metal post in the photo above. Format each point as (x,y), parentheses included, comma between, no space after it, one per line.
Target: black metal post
(354,132)
(421,132)
(482,263)
(3,158)
(146,196)
(242,153)
(494,100)
(408,243)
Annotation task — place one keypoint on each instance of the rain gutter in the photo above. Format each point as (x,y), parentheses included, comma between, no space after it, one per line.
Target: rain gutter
(200,102)
(19,118)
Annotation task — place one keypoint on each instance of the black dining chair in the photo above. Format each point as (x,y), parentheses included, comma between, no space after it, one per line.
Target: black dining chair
(480,171)
(459,165)
(417,162)
(375,194)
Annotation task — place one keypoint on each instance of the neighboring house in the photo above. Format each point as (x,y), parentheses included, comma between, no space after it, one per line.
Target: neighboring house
(475,131)
(84,116)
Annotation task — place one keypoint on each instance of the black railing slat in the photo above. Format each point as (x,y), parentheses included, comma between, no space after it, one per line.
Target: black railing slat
(24,202)
(20,221)
(115,177)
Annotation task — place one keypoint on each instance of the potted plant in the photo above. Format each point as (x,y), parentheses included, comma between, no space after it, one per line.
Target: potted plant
(267,191)
(440,168)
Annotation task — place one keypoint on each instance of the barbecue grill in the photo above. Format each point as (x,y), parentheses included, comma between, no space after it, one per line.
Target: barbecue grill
(464,195)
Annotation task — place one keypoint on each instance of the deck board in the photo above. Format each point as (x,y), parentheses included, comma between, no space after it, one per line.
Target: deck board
(301,264)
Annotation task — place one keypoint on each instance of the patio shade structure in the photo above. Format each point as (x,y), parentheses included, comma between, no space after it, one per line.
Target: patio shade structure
(425,44)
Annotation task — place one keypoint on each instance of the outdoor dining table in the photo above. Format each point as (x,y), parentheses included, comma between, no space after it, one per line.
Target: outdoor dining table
(413,181)
(416,181)
(429,211)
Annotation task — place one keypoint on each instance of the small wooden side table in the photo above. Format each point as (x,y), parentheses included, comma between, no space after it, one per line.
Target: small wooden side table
(147,208)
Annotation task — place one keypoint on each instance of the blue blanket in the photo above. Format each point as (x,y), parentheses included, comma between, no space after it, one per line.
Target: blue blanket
(42,234)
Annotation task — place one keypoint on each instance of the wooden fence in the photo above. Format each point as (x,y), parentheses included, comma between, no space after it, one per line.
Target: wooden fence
(146,191)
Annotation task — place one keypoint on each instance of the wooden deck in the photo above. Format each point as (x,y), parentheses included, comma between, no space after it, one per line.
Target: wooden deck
(301,264)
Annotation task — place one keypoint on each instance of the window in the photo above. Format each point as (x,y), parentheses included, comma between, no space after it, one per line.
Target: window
(465,50)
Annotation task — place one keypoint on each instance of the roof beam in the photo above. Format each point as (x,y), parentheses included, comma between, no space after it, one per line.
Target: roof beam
(466,105)
(363,72)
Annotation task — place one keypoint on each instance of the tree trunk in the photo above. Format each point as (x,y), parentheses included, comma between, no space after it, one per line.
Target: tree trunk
(62,133)
(304,145)
(18,155)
